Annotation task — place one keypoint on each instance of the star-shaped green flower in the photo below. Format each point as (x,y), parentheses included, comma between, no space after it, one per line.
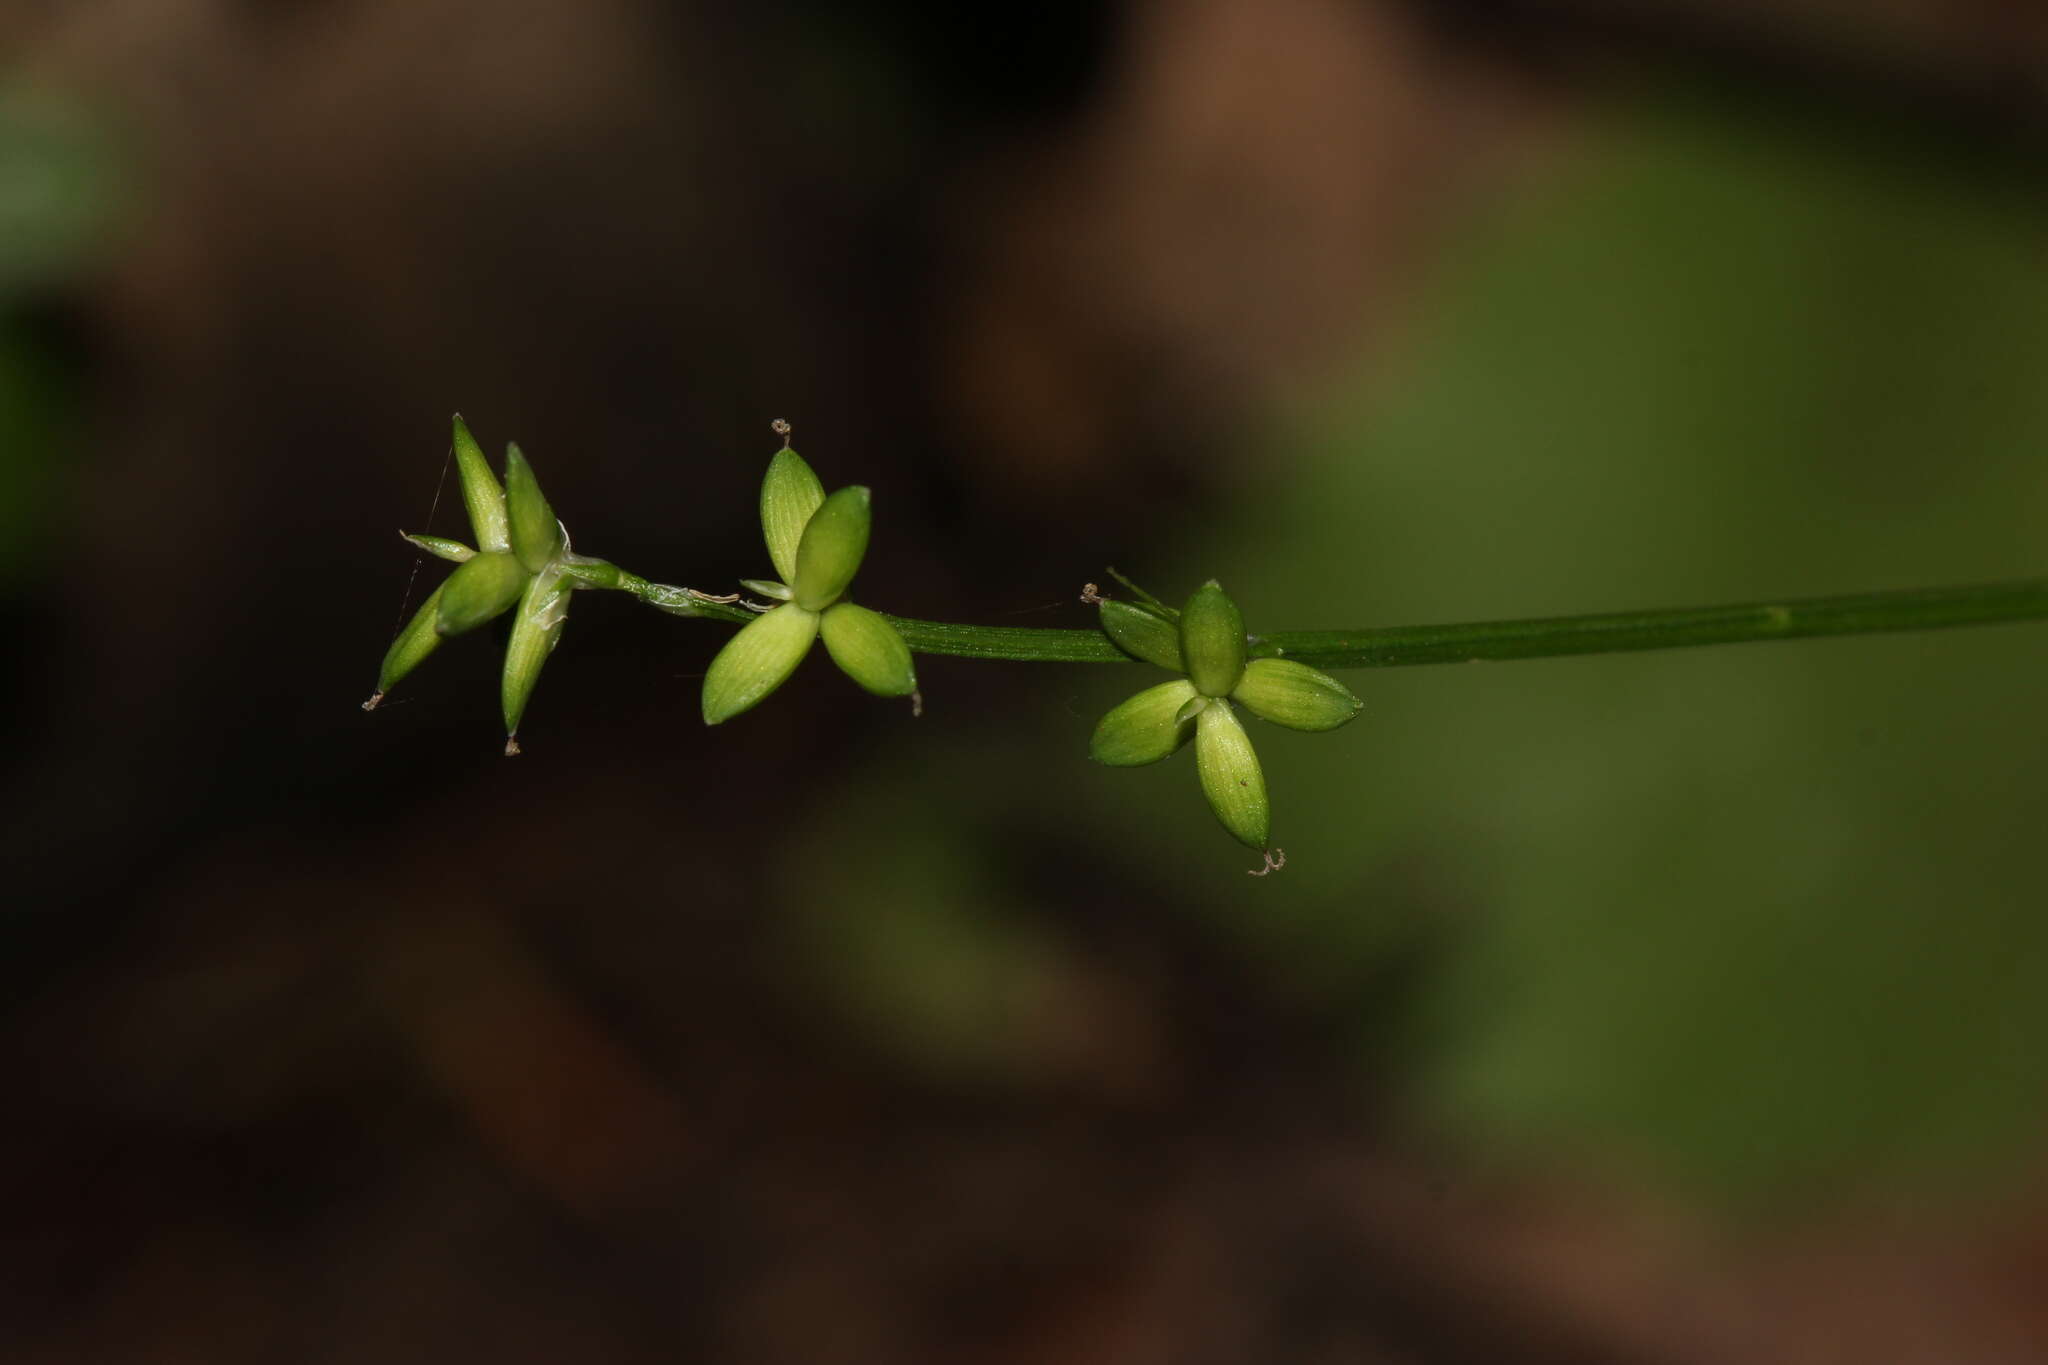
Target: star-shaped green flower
(522,556)
(1206,641)
(817,544)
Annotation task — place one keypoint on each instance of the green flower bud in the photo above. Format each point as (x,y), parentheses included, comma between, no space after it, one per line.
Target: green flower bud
(1212,641)
(1143,634)
(479,590)
(1230,775)
(536,535)
(755,661)
(536,630)
(869,650)
(790,496)
(522,557)
(480,492)
(1295,695)
(833,545)
(413,645)
(453,551)
(1145,728)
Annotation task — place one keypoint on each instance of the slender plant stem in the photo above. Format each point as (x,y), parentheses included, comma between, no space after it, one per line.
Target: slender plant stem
(1394,646)
(1867,613)
(1029,643)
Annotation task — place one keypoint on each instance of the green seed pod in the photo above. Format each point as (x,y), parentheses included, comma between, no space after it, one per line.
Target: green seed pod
(536,535)
(869,650)
(480,492)
(1295,695)
(1212,641)
(1145,728)
(1142,634)
(833,545)
(790,496)
(454,551)
(478,591)
(756,660)
(536,630)
(413,645)
(1230,776)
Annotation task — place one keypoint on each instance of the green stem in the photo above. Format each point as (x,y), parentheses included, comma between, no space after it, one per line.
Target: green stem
(1392,646)
(1040,644)
(1868,613)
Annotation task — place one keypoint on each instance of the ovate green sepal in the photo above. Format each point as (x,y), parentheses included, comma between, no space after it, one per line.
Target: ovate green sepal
(869,650)
(479,590)
(1231,778)
(1146,728)
(1212,641)
(833,545)
(790,496)
(481,493)
(1295,695)
(1142,634)
(413,645)
(536,630)
(536,535)
(755,661)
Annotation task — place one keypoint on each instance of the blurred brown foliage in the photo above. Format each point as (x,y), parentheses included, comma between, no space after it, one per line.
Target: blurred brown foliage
(336,1041)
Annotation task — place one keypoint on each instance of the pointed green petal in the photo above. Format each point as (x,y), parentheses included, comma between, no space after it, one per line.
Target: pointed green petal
(414,643)
(1141,633)
(454,551)
(536,630)
(1212,641)
(1230,776)
(833,545)
(767,587)
(536,535)
(789,495)
(480,491)
(1146,728)
(869,650)
(755,661)
(1295,695)
(478,591)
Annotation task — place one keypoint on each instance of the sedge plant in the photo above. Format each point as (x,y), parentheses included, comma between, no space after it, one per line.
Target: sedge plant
(522,563)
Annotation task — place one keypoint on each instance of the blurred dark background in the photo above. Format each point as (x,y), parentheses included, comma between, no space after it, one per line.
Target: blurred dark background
(1681,1007)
